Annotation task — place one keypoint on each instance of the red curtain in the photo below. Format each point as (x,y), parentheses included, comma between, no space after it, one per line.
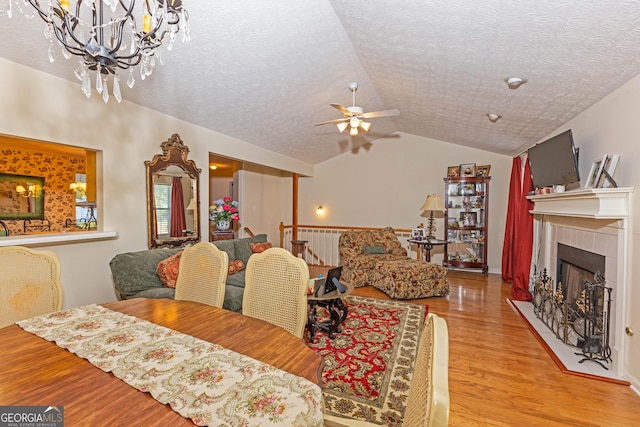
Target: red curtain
(178,220)
(518,235)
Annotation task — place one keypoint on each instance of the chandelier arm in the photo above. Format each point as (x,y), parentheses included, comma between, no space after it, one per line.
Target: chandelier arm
(36,5)
(68,26)
(120,27)
(173,18)
(95,23)
(126,65)
(148,37)
(62,39)
(120,33)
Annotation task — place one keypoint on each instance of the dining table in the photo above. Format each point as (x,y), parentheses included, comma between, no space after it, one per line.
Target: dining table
(35,372)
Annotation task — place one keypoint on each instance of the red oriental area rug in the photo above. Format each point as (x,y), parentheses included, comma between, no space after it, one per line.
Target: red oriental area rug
(368,365)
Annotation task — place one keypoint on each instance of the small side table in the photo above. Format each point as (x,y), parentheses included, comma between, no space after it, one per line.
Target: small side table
(222,235)
(332,301)
(428,245)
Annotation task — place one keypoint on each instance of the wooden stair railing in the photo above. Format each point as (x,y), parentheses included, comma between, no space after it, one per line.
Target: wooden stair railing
(324,239)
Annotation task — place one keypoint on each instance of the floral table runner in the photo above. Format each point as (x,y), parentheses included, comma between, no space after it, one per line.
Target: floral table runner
(202,381)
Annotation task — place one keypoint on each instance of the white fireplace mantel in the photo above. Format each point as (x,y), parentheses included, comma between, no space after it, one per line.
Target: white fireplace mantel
(598,220)
(596,203)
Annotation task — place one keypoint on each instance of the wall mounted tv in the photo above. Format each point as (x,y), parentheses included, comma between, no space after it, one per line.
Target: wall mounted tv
(554,162)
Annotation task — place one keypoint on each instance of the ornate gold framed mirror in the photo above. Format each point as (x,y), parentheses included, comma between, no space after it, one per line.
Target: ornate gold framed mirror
(173,197)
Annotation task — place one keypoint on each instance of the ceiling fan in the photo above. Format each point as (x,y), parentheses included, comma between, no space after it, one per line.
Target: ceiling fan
(354,116)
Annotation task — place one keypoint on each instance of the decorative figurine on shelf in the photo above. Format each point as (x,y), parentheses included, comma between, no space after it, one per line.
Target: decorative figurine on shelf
(418,233)
(223,212)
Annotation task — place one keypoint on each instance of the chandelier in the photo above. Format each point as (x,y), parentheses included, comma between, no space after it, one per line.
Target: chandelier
(109,35)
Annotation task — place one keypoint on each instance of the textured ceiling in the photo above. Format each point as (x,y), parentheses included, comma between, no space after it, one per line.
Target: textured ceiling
(265,71)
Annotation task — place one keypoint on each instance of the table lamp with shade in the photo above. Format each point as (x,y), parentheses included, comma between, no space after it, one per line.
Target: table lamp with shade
(432,204)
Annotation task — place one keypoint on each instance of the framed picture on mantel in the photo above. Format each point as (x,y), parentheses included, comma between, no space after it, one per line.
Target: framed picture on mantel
(593,172)
(610,167)
(601,166)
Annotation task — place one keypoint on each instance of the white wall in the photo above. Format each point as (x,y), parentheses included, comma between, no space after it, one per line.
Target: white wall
(260,200)
(386,183)
(39,106)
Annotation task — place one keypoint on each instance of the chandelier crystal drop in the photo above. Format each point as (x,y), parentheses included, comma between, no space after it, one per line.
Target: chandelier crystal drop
(108,35)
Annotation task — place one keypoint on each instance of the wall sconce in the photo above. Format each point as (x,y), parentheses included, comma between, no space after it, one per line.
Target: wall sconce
(31,192)
(320,210)
(80,188)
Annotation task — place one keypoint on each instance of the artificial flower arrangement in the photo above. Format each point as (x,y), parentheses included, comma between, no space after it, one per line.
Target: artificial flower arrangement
(225,209)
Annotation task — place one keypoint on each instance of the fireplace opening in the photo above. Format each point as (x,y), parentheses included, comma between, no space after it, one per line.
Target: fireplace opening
(577,307)
(574,266)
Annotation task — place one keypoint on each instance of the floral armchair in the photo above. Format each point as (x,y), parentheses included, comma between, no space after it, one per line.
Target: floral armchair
(376,258)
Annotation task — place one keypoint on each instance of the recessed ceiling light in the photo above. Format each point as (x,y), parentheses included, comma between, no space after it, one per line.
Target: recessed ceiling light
(494,117)
(515,82)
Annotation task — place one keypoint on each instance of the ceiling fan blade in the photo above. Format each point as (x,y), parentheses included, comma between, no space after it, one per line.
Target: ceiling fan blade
(333,121)
(341,109)
(384,113)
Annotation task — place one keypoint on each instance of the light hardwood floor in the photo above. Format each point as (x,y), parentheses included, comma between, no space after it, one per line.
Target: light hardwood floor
(500,375)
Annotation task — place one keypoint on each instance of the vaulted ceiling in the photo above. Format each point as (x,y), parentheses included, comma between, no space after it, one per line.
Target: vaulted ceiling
(265,71)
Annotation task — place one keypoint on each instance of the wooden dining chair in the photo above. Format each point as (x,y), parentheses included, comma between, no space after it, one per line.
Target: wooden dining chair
(29,284)
(202,274)
(276,289)
(4,229)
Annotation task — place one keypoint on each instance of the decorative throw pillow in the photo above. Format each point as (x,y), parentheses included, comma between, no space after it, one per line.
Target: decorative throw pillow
(256,248)
(235,266)
(378,249)
(167,270)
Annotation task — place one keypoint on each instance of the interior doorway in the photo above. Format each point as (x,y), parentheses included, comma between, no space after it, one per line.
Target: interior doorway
(264,195)
(223,182)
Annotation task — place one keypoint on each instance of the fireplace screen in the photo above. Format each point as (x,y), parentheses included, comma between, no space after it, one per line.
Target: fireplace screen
(581,320)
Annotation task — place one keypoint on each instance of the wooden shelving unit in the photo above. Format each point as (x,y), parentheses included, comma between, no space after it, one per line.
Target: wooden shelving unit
(466,222)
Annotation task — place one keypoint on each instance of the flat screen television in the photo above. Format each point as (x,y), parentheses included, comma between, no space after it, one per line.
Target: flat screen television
(554,162)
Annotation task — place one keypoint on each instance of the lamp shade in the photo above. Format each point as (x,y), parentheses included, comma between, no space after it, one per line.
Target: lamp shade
(433,203)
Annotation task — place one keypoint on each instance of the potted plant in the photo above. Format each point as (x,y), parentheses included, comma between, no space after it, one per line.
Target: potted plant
(223,212)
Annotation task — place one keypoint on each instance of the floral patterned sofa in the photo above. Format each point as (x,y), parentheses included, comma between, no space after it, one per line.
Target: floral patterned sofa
(376,258)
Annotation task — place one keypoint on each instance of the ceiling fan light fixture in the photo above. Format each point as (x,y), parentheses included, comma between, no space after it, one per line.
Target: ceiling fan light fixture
(354,116)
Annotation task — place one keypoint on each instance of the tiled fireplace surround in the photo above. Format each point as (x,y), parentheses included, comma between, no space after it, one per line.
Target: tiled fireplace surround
(597,221)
